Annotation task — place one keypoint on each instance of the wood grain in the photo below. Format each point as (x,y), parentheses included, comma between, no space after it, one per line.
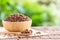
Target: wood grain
(53,34)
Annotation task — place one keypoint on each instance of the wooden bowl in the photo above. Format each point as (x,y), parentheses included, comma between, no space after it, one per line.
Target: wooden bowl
(17,26)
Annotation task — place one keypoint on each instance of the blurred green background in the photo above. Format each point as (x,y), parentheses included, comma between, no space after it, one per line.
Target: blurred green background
(42,12)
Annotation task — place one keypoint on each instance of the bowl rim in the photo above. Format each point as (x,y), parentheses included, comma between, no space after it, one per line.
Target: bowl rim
(17,21)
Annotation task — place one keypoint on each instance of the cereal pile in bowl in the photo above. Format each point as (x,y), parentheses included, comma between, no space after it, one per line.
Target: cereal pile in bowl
(17,18)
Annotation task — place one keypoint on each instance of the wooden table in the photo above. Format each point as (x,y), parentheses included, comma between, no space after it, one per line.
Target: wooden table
(53,34)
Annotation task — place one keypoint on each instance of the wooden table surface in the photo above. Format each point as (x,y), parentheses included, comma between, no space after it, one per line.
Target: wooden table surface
(53,34)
